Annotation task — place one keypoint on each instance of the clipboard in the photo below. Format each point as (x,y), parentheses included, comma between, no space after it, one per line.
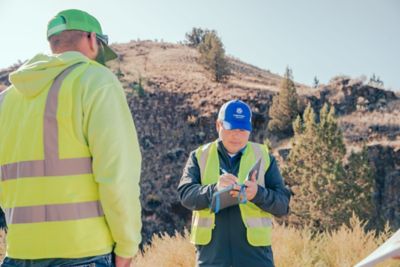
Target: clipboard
(222,199)
(255,168)
(389,249)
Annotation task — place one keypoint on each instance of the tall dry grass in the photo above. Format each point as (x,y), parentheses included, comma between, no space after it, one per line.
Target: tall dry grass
(344,247)
(173,251)
(2,245)
(292,247)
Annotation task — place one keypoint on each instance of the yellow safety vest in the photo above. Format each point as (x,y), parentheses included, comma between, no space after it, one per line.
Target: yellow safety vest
(50,197)
(257,222)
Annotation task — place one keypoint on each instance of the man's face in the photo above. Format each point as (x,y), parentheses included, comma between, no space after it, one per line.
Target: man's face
(233,140)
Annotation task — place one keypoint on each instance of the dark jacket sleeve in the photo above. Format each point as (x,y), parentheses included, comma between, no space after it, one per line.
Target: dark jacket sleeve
(192,194)
(275,197)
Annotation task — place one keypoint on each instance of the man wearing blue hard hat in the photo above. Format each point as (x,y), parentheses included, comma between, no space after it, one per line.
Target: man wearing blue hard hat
(239,234)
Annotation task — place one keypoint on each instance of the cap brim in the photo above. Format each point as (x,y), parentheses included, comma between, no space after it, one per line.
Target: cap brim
(237,126)
(109,54)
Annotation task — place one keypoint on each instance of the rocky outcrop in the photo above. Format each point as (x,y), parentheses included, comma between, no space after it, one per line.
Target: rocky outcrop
(386,163)
(349,95)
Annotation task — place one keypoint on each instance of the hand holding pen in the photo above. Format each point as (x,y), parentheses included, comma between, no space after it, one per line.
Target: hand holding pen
(226,179)
(250,185)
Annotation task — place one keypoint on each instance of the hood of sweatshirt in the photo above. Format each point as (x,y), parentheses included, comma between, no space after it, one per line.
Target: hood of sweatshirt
(36,74)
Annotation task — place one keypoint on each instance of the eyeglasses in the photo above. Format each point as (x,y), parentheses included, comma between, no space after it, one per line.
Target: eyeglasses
(102,38)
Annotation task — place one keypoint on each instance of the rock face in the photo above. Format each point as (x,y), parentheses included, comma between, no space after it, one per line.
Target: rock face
(386,162)
(349,95)
(177,111)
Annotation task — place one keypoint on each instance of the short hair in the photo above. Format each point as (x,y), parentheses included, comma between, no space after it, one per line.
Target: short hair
(66,40)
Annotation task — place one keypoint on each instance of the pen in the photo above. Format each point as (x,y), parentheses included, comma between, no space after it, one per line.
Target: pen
(223,170)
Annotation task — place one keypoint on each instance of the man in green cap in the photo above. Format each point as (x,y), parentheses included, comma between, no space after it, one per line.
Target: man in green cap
(69,154)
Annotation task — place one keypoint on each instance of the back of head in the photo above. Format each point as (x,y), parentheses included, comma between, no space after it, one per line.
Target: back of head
(65,41)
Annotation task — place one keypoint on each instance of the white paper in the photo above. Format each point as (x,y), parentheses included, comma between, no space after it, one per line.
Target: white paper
(389,249)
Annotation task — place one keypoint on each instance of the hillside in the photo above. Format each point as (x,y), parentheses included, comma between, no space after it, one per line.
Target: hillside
(178,110)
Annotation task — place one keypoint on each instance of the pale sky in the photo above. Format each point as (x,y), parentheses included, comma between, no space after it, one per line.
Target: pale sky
(322,38)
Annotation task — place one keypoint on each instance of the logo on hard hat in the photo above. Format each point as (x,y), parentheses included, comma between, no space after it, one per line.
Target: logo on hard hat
(238,114)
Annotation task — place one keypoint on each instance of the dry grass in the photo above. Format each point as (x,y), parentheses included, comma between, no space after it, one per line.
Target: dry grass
(175,67)
(345,247)
(2,245)
(175,251)
(292,247)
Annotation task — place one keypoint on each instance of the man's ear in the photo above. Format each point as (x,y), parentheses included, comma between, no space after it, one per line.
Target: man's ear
(93,41)
(218,125)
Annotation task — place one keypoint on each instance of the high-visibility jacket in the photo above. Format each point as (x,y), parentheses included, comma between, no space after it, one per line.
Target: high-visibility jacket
(257,222)
(58,159)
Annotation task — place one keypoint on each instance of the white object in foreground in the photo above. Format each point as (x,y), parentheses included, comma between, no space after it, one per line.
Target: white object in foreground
(389,249)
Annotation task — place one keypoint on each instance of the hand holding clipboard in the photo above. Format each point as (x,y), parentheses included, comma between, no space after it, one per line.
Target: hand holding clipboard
(251,180)
(230,195)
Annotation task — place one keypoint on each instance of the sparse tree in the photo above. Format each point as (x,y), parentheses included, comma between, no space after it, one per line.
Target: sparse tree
(284,107)
(195,37)
(213,56)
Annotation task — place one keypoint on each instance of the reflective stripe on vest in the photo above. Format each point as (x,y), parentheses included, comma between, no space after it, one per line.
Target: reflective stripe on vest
(47,167)
(51,166)
(203,222)
(203,158)
(56,212)
(257,221)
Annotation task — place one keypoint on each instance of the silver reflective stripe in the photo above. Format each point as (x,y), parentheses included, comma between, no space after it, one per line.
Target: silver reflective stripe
(204,222)
(203,158)
(52,165)
(56,212)
(258,222)
(259,155)
(40,168)
(50,125)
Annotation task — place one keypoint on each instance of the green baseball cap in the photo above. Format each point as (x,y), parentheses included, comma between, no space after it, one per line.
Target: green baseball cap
(74,19)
